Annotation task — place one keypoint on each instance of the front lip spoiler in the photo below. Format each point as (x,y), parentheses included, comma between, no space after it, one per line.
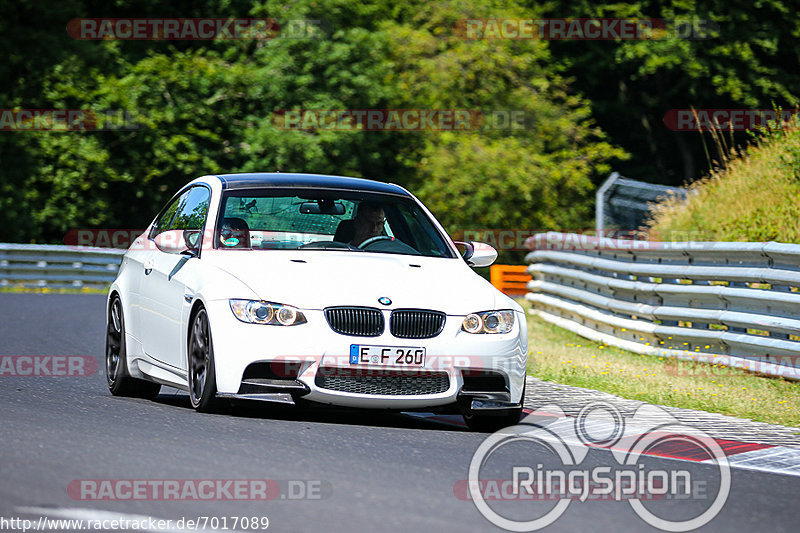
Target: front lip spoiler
(274,397)
(487,401)
(269,390)
(269,385)
(287,391)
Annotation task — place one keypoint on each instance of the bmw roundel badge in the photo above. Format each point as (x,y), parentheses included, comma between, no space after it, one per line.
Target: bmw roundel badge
(384,300)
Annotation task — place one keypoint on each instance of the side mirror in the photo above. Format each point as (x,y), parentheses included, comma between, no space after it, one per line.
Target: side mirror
(477,254)
(172,241)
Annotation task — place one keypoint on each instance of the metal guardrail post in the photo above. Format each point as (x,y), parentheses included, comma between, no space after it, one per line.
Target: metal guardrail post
(600,199)
(626,202)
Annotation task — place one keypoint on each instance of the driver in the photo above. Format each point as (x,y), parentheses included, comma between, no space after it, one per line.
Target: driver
(369,222)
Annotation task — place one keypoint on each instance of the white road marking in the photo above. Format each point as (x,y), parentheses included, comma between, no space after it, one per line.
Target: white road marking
(776,460)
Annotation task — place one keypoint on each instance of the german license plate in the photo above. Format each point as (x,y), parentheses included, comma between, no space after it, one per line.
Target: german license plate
(387,355)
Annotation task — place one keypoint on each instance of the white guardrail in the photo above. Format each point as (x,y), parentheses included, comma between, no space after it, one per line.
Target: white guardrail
(729,303)
(44,265)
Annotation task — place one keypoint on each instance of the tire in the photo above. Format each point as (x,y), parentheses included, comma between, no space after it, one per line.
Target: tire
(489,423)
(119,381)
(202,378)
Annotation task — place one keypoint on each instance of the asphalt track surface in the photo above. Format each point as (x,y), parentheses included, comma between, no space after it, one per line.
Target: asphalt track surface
(377,471)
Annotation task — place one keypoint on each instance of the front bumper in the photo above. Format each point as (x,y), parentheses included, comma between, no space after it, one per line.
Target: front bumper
(308,354)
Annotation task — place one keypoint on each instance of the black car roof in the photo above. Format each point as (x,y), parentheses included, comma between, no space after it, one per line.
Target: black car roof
(309,181)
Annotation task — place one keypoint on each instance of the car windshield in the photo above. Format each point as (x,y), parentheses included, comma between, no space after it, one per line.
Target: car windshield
(268,219)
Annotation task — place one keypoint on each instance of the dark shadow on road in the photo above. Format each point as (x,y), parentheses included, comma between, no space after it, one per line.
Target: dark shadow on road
(314,413)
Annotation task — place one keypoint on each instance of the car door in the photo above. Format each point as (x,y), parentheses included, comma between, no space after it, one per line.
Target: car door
(140,256)
(169,284)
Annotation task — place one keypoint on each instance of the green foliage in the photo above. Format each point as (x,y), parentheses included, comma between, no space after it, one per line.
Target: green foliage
(536,176)
(209,106)
(182,106)
(742,56)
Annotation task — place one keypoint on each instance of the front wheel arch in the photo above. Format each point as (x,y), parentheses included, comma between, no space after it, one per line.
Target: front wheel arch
(122,383)
(196,306)
(207,401)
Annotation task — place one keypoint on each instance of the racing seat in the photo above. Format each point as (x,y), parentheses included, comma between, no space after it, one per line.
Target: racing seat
(345,231)
(237,228)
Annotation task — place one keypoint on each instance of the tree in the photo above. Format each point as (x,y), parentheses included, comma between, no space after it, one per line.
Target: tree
(739,56)
(537,176)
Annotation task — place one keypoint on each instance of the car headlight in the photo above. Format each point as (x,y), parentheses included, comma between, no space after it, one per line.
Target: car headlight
(489,322)
(269,313)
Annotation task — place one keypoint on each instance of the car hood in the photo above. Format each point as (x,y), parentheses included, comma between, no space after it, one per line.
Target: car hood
(319,279)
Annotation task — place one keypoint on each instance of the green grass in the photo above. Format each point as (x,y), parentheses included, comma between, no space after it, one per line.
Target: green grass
(561,356)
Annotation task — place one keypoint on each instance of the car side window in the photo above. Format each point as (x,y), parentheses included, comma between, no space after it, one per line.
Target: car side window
(193,209)
(163,222)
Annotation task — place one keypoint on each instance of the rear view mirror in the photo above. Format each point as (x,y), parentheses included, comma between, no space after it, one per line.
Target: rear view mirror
(322,207)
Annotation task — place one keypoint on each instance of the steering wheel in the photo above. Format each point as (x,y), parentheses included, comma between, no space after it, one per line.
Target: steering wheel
(372,240)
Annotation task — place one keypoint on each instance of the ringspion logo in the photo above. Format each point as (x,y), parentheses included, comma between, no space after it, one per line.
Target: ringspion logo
(598,425)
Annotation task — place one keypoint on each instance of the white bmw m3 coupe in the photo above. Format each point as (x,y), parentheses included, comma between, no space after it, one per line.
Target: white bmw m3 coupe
(296,287)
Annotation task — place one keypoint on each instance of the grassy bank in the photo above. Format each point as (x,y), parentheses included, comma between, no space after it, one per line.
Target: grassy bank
(756,197)
(561,356)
